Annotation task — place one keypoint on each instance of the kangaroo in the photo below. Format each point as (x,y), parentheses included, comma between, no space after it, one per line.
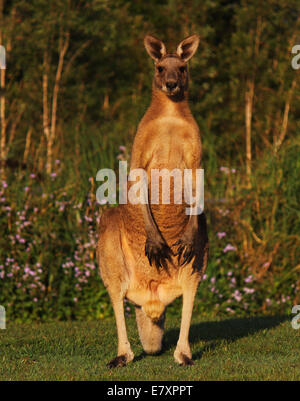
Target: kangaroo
(151,254)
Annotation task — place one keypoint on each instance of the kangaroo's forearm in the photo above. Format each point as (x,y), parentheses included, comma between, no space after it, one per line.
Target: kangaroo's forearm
(150,225)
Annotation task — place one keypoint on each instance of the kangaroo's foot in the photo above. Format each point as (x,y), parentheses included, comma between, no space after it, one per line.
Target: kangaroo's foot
(120,361)
(183,355)
(186,361)
(157,251)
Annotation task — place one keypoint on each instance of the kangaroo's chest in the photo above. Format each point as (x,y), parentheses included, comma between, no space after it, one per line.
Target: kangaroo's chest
(170,142)
(167,154)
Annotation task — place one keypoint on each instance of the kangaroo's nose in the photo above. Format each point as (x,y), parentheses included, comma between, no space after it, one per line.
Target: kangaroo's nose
(171,85)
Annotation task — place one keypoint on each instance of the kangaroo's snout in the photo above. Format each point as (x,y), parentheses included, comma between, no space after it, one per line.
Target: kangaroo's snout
(171,85)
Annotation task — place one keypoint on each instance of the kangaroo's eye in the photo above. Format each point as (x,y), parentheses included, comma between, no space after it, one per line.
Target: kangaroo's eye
(160,69)
(182,69)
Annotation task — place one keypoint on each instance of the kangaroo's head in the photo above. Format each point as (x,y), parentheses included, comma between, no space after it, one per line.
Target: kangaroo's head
(171,74)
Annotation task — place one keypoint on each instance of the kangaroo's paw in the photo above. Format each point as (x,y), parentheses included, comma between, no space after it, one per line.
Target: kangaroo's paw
(120,361)
(158,251)
(186,248)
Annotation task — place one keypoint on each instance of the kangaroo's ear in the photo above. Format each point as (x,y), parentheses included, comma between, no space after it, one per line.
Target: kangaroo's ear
(187,48)
(155,47)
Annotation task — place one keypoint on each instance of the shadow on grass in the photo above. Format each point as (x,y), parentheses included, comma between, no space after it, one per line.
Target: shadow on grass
(229,330)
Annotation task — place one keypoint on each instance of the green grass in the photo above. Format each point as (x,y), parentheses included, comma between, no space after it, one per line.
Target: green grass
(257,348)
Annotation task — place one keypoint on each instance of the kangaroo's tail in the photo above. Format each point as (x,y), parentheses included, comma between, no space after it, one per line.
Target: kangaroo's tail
(150,322)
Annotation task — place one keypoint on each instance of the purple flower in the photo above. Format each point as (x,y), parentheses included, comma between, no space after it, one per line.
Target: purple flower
(221,235)
(232,282)
(249,290)
(228,248)
(237,295)
(224,169)
(266,265)
(227,170)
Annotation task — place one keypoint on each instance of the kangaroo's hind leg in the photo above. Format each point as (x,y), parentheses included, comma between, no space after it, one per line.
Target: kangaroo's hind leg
(182,353)
(113,273)
(191,277)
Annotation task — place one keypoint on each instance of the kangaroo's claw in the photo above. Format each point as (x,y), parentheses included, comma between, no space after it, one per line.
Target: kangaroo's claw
(186,249)
(158,252)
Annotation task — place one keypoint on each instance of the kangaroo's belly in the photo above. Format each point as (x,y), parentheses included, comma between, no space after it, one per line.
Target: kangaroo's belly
(167,201)
(171,221)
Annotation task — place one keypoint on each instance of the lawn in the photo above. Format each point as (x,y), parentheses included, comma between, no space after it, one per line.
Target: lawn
(257,348)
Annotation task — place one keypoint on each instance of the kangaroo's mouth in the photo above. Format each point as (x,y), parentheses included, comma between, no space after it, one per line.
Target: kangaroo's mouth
(171,92)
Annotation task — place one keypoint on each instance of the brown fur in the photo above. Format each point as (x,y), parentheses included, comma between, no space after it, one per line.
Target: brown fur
(167,137)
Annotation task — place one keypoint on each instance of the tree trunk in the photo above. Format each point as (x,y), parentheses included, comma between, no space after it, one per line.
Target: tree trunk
(248,119)
(27,145)
(51,133)
(283,129)
(249,95)
(45,96)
